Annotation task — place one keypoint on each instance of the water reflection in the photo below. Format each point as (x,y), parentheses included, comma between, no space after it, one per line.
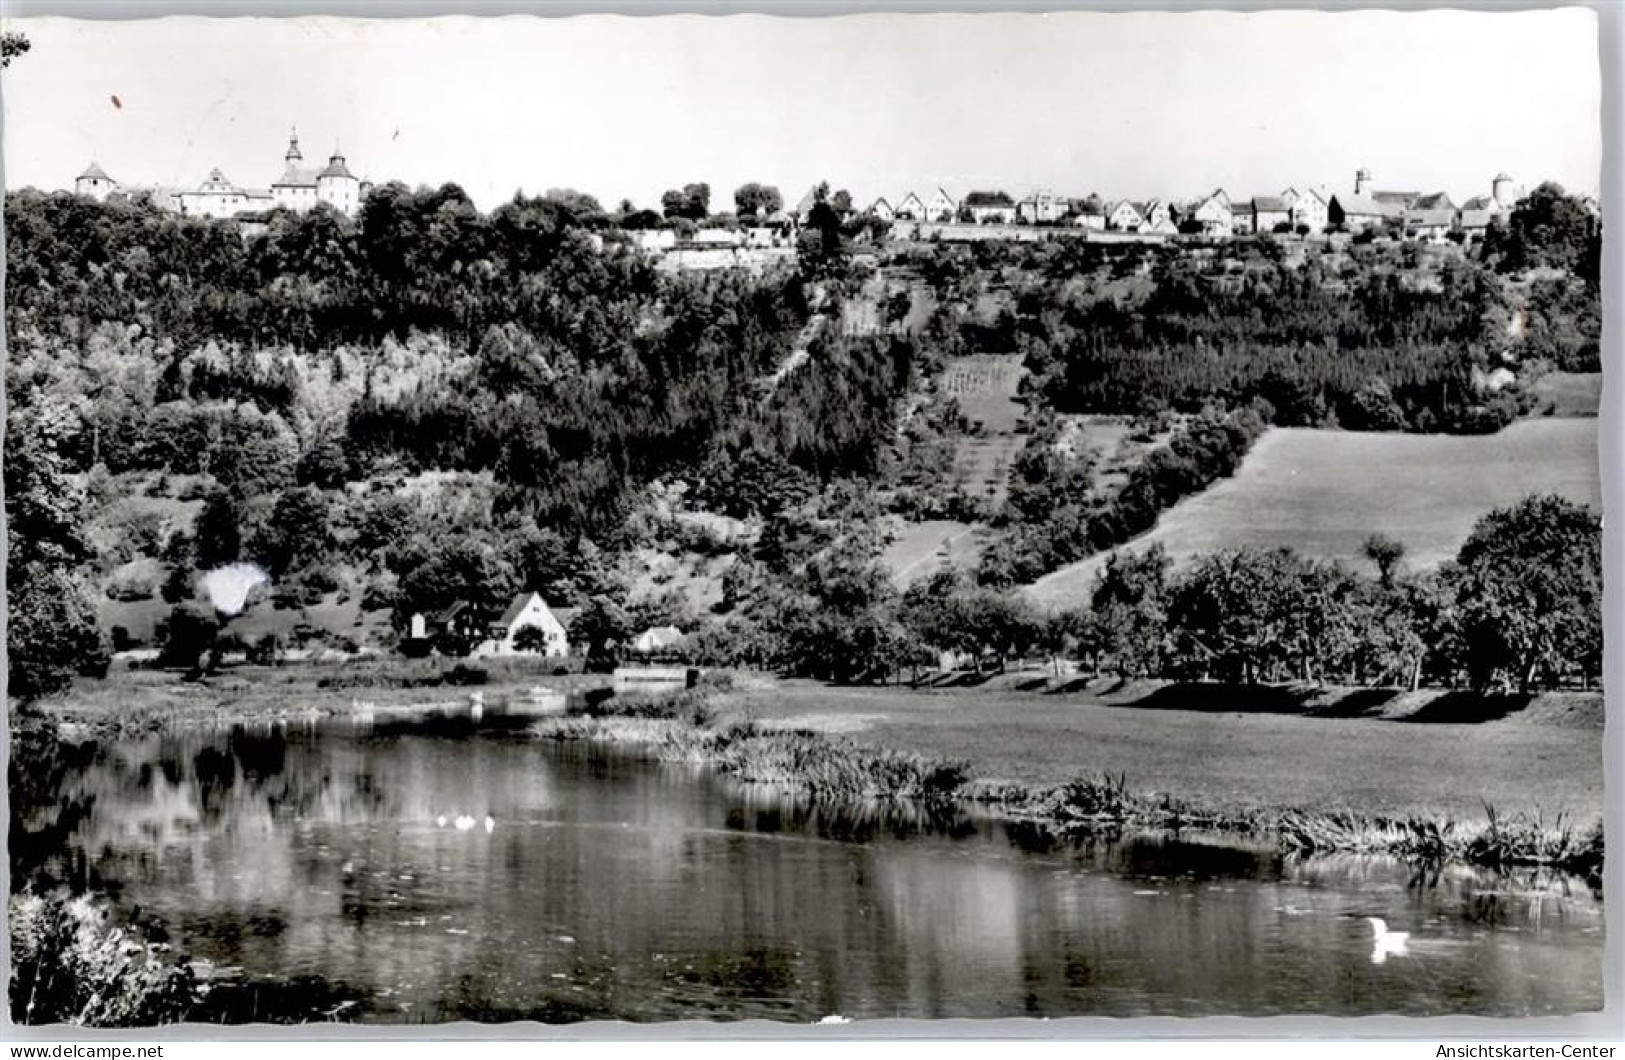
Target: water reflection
(590,885)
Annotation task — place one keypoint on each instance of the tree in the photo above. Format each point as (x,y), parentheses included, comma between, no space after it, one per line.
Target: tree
(1528,593)
(531,639)
(1130,606)
(757,200)
(1548,227)
(187,636)
(600,625)
(692,202)
(1386,553)
(51,619)
(12,45)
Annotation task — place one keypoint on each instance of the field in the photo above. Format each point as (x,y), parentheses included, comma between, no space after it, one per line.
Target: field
(1323,492)
(985,386)
(1570,393)
(1238,758)
(919,550)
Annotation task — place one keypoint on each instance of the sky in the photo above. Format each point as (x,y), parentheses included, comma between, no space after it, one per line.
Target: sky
(1135,105)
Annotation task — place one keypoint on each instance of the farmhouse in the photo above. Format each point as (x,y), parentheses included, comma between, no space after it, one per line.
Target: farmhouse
(466,627)
(881,209)
(526,611)
(1474,222)
(990,207)
(1358,213)
(1241,218)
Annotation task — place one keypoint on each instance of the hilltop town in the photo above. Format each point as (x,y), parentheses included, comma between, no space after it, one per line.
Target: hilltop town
(764,227)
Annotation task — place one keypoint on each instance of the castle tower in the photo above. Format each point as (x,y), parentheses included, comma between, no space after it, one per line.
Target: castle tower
(1502,192)
(94,183)
(293,156)
(1362,181)
(337,186)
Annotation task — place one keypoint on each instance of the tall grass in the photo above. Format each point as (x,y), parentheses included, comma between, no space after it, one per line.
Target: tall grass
(686,728)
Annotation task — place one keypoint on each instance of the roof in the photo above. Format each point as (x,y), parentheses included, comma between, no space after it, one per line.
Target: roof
(94,172)
(1270,204)
(1476,218)
(663,636)
(517,606)
(988,198)
(1437,200)
(1400,198)
(566,615)
(336,168)
(1431,217)
(296,176)
(1365,206)
(1241,208)
(1478,202)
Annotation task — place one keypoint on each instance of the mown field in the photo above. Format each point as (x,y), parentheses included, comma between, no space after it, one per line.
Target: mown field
(919,550)
(1323,492)
(1243,757)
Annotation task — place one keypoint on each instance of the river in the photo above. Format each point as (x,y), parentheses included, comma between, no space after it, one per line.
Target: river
(432,872)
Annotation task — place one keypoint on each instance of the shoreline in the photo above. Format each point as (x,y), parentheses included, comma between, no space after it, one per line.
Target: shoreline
(724,726)
(833,767)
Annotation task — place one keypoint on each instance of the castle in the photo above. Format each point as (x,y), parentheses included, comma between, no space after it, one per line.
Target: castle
(299,188)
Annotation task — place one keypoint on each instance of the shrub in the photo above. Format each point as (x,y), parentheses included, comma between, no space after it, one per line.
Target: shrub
(132,585)
(267,650)
(69,964)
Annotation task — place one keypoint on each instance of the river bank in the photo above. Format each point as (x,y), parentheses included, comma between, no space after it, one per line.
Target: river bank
(1327,770)
(725,730)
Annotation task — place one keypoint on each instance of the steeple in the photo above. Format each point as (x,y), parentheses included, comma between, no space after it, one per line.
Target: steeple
(293,156)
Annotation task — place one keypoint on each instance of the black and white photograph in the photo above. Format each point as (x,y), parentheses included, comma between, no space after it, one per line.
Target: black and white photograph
(544,519)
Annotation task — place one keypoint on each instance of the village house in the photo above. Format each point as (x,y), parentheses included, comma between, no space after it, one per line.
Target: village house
(1089,214)
(1042,208)
(1271,214)
(941,208)
(1124,217)
(1241,218)
(880,209)
(990,207)
(1430,225)
(1474,222)
(1213,214)
(1308,208)
(910,209)
(465,627)
(1156,216)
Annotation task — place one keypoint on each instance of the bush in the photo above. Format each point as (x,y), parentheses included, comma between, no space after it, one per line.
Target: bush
(69,964)
(267,650)
(188,632)
(131,586)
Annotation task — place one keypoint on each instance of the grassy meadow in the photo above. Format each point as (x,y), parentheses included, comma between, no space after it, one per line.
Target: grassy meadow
(1322,492)
(1241,759)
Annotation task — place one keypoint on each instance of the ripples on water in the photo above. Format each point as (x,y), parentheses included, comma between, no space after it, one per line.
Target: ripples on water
(606,887)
